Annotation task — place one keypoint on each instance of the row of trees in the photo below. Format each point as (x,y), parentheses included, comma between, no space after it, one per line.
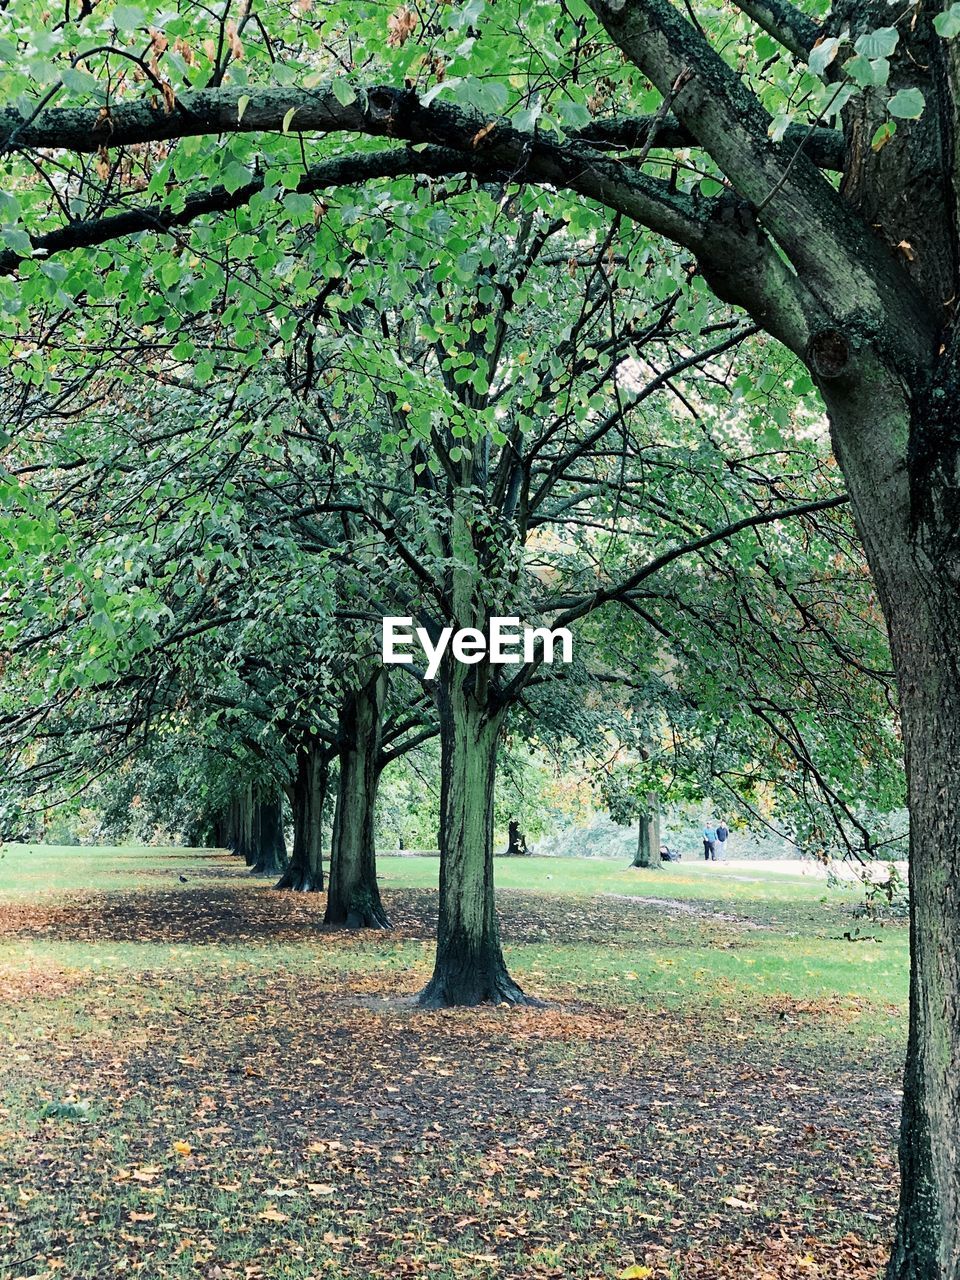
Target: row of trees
(442,313)
(228,537)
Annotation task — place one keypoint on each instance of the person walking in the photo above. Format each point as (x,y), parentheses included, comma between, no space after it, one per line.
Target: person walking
(709,843)
(721,846)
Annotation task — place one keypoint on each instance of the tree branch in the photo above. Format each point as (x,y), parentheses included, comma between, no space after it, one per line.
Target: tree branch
(735,254)
(785,23)
(849,272)
(623,588)
(583,605)
(825,147)
(340,172)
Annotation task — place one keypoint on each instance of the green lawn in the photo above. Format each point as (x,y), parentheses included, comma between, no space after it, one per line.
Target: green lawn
(200,1081)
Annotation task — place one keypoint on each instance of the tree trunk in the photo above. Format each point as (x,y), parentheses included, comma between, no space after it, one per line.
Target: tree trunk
(927,656)
(469,966)
(353,897)
(222,830)
(648,839)
(242,826)
(910,543)
(269,848)
(516,841)
(307,797)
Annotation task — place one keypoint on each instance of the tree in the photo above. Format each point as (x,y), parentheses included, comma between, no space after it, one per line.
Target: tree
(857,280)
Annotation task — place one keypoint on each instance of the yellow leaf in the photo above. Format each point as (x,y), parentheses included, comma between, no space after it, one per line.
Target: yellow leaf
(242,106)
(181,1148)
(287,119)
(636,1273)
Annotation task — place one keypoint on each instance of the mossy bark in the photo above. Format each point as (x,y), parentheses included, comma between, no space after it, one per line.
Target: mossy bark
(353,896)
(469,967)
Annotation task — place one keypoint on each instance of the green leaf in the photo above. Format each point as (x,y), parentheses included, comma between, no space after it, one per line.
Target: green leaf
(866,73)
(908,104)
(482,95)
(573,114)
(343,92)
(878,44)
(288,119)
(525,120)
(80,81)
(17,240)
(235,176)
(822,54)
(883,135)
(242,106)
(127,18)
(948,24)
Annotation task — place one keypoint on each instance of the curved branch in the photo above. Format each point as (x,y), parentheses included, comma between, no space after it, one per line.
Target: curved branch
(848,270)
(342,171)
(583,605)
(622,589)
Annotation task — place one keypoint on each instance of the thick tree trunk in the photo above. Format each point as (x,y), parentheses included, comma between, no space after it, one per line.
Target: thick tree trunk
(469,966)
(910,538)
(926,644)
(353,897)
(269,848)
(308,794)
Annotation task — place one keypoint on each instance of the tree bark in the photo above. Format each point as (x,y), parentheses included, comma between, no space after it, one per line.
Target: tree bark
(269,847)
(648,839)
(927,655)
(308,794)
(910,543)
(353,897)
(469,967)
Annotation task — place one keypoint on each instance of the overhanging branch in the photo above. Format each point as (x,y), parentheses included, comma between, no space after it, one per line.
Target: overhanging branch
(342,171)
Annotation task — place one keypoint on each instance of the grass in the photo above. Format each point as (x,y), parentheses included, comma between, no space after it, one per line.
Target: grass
(197,1080)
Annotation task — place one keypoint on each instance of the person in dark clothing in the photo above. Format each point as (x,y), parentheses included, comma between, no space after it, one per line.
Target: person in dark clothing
(721,845)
